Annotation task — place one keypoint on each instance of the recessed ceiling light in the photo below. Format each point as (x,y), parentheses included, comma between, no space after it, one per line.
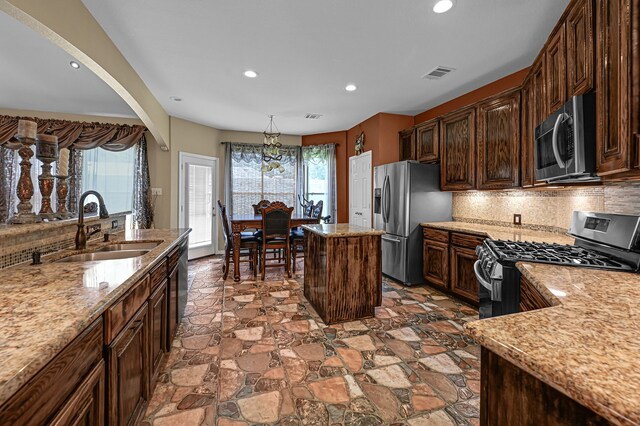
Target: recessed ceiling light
(442,6)
(250,74)
(175,99)
(351,88)
(74,65)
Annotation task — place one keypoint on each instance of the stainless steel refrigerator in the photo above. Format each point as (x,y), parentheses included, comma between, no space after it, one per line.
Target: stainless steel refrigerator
(405,194)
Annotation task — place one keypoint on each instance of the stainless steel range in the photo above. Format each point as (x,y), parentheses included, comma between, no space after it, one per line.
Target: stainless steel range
(602,240)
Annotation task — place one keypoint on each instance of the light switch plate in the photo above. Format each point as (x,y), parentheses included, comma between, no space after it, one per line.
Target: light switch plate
(517,219)
(156,191)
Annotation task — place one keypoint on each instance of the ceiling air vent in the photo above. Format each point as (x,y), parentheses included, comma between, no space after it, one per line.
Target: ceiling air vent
(438,72)
(313,116)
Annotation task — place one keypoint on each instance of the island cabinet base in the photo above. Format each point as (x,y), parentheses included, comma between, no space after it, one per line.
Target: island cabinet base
(343,276)
(511,396)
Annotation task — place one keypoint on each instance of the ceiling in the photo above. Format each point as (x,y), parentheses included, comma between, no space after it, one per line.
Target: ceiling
(36,76)
(305,53)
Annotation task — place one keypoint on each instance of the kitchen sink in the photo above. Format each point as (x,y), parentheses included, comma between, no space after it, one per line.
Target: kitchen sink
(130,246)
(103,255)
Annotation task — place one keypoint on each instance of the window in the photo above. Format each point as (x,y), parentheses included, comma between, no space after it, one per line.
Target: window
(111,174)
(250,185)
(319,177)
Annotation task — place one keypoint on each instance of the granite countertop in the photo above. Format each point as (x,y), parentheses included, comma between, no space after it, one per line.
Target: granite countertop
(44,307)
(502,232)
(586,345)
(341,230)
(12,229)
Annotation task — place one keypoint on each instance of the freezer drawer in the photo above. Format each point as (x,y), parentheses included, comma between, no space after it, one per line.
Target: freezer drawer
(394,257)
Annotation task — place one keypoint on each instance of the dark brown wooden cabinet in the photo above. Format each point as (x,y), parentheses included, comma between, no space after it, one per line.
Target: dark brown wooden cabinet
(580,50)
(436,263)
(458,150)
(616,86)
(556,70)
(406,144)
(86,405)
(526,135)
(448,259)
(498,142)
(530,297)
(158,329)
(428,142)
(70,377)
(129,370)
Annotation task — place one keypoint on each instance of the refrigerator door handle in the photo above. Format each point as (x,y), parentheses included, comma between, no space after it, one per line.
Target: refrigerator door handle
(392,239)
(384,198)
(387,203)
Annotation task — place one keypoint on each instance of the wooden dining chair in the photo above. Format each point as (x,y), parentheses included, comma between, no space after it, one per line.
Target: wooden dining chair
(276,225)
(249,246)
(257,207)
(297,235)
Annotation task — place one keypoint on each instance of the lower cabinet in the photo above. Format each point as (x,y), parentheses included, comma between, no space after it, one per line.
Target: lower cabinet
(530,297)
(129,367)
(463,278)
(86,405)
(157,329)
(448,262)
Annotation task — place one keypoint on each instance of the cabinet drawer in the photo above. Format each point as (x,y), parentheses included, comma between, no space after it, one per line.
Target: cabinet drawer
(125,308)
(158,274)
(466,240)
(436,235)
(43,395)
(174,256)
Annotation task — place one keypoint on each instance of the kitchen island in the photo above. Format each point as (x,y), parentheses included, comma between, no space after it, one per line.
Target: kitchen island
(574,362)
(342,271)
(74,335)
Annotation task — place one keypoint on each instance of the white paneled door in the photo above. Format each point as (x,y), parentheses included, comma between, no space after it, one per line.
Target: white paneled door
(360,190)
(197,198)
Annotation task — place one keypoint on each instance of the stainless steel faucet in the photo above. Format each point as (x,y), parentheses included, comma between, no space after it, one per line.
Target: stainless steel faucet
(81,235)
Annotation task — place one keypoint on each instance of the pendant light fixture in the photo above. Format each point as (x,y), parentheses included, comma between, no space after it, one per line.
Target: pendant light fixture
(271,155)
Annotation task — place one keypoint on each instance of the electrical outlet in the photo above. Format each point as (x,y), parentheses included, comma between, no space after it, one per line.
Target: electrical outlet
(114,224)
(517,219)
(156,191)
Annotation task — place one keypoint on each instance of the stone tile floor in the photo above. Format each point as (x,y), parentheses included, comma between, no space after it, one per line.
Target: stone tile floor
(256,352)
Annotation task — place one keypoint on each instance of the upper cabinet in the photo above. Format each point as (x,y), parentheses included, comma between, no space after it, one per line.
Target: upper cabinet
(580,50)
(428,142)
(458,146)
(616,86)
(499,142)
(406,144)
(526,136)
(556,70)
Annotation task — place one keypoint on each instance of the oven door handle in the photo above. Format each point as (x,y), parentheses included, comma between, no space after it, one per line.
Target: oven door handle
(495,295)
(554,140)
(477,268)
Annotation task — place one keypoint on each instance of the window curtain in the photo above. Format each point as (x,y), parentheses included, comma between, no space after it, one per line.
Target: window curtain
(142,206)
(75,181)
(324,155)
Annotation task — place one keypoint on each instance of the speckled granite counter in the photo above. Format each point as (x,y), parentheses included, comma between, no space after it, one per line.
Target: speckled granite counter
(340,230)
(502,232)
(44,307)
(585,346)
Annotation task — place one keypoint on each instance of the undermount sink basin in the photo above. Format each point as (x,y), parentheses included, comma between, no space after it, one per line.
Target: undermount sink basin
(130,246)
(103,255)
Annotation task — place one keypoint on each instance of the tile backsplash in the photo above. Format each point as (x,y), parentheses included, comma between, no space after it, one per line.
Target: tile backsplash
(548,209)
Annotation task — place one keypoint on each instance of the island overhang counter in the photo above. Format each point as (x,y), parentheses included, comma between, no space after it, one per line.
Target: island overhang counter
(342,271)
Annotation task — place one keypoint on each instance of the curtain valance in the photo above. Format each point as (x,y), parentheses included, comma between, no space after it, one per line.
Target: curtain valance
(76,134)
(252,153)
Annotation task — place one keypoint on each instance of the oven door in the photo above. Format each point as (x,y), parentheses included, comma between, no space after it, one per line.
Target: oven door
(485,292)
(554,147)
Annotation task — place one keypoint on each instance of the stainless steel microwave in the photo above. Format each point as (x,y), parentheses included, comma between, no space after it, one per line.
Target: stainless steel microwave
(565,146)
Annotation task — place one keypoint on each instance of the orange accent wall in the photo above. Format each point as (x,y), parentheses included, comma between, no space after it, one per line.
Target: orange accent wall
(342,177)
(505,83)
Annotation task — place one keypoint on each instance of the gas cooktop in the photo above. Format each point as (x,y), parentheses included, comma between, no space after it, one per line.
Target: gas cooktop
(558,254)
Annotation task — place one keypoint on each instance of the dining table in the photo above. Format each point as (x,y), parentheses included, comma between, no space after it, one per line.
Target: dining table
(242,222)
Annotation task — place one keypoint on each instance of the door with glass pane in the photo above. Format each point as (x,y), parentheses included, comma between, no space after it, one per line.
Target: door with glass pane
(197,198)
